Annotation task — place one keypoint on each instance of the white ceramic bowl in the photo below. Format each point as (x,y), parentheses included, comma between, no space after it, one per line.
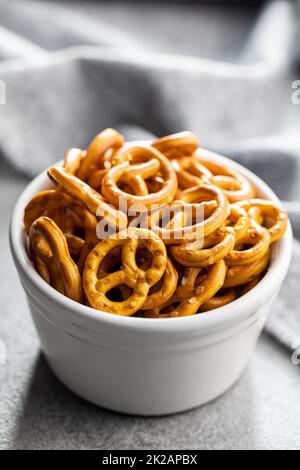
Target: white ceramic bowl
(147,366)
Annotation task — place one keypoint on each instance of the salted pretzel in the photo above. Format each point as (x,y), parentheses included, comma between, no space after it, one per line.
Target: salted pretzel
(239,275)
(211,210)
(190,295)
(239,221)
(248,287)
(85,224)
(73,159)
(235,186)
(70,218)
(164,289)
(51,203)
(140,281)
(204,194)
(153,231)
(203,253)
(223,297)
(142,163)
(177,145)
(50,250)
(87,196)
(100,153)
(275,216)
(207,251)
(190,172)
(257,242)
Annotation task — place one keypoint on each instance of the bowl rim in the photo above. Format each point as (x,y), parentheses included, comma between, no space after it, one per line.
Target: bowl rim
(233,312)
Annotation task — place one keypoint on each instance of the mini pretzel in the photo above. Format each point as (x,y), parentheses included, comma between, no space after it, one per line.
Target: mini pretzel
(239,275)
(276,214)
(180,222)
(145,163)
(96,154)
(164,289)
(86,195)
(203,193)
(190,172)
(51,203)
(222,298)
(248,287)
(204,253)
(239,221)
(190,295)
(73,159)
(217,245)
(88,224)
(96,288)
(258,238)
(188,234)
(234,185)
(177,145)
(49,245)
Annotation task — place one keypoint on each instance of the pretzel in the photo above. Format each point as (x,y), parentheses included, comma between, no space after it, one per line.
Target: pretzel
(144,162)
(200,241)
(190,295)
(248,287)
(73,159)
(239,221)
(223,297)
(208,193)
(177,145)
(234,185)
(204,253)
(87,196)
(180,222)
(164,289)
(216,246)
(96,154)
(272,212)
(191,172)
(140,281)
(259,240)
(49,245)
(75,245)
(51,203)
(87,223)
(239,275)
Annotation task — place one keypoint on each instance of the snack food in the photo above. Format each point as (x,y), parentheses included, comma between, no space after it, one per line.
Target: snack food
(156,230)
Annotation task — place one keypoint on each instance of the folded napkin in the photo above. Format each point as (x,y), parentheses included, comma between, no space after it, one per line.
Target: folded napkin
(223,72)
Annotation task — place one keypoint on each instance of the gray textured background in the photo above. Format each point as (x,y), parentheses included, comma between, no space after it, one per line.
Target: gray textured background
(250,117)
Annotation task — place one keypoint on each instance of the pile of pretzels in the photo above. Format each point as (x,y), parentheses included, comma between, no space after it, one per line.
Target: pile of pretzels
(152,256)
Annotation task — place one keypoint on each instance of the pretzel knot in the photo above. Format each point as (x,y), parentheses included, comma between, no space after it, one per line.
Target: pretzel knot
(257,242)
(101,153)
(142,163)
(50,253)
(97,283)
(86,196)
(196,288)
(234,185)
(273,215)
(190,172)
(177,145)
(240,275)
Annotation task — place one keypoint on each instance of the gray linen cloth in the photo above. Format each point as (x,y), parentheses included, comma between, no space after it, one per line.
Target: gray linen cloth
(154,68)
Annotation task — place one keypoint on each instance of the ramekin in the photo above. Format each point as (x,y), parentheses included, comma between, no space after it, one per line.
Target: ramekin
(147,366)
